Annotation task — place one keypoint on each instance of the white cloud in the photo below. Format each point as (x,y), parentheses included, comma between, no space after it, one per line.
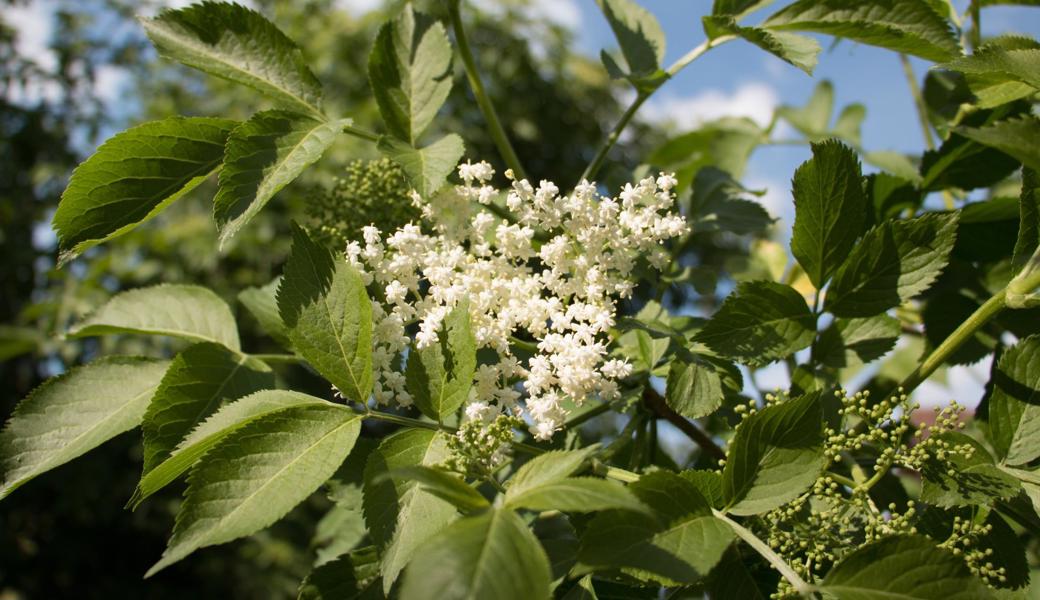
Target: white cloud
(755,100)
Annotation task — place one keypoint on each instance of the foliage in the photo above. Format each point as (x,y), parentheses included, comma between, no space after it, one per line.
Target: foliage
(493,327)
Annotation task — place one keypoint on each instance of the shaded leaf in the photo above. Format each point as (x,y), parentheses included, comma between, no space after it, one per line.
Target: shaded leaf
(445,485)
(576,494)
(719,203)
(428,167)
(439,376)
(325,307)
(849,342)
(262,156)
(797,50)
(694,390)
(894,262)
(134,176)
(262,303)
(638,33)
(957,480)
(1018,137)
(760,322)
(1014,403)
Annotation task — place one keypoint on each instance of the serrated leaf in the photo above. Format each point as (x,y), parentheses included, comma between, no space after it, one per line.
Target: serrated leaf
(902,566)
(238,44)
(445,485)
(258,473)
(761,321)
(1018,137)
(894,262)
(262,156)
(730,580)
(400,514)
(551,466)
(490,555)
(850,342)
(694,390)
(1014,403)
(830,209)
(797,50)
(576,494)
(960,481)
(719,203)
(680,545)
(74,413)
(325,308)
(186,311)
(638,33)
(439,376)
(966,164)
(199,381)
(336,580)
(708,483)
(219,425)
(410,72)
(737,7)
(134,176)
(262,303)
(1028,220)
(775,455)
(427,168)
(908,26)
(1002,70)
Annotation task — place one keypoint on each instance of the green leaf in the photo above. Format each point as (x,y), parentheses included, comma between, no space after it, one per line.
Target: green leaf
(135,175)
(737,7)
(445,485)
(199,381)
(959,481)
(813,119)
(262,303)
(401,514)
(775,455)
(490,555)
(1007,550)
(830,209)
(240,45)
(966,164)
(850,342)
(1002,70)
(576,494)
(694,389)
(323,304)
(797,50)
(718,203)
(730,580)
(901,566)
(1018,137)
(262,156)
(849,123)
(186,311)
(909,26)
(638,33)
(1028,221)
(409,69)
(427,168)
(440,375)
(222,423)
(894,262)
(336,580)
(1014,403)
(680,546)
(760,322)
(74,413)
(549,467)
(258,473)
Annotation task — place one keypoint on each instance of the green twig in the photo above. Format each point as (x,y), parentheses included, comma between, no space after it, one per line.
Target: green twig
(498,133)
(361,133)
(767,553)
(277,358)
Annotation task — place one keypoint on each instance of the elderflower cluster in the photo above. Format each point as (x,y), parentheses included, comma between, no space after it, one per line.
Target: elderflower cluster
(551,272)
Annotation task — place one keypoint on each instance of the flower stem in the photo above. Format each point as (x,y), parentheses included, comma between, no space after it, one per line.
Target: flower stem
(277,358)
(641,97)
(767,553)
(498,133)
(361,133)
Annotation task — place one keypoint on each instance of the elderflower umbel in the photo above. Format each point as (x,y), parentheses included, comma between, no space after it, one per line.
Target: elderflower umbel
(561,291)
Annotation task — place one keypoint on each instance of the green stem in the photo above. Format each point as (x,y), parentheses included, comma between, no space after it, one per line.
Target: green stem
(641,97)
(843,480)
(975,33)
(277,358)
(402,420)
(612,138)
(361,133)
(523,344)
(954,341)
(767,553)
(498,133)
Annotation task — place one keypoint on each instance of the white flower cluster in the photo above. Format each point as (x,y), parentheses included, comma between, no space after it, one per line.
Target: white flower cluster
(559,290)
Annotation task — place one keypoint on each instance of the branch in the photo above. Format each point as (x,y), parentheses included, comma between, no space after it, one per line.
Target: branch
(658,406)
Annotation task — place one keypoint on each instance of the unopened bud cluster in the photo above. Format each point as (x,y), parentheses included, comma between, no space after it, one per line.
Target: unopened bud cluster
(479,447)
